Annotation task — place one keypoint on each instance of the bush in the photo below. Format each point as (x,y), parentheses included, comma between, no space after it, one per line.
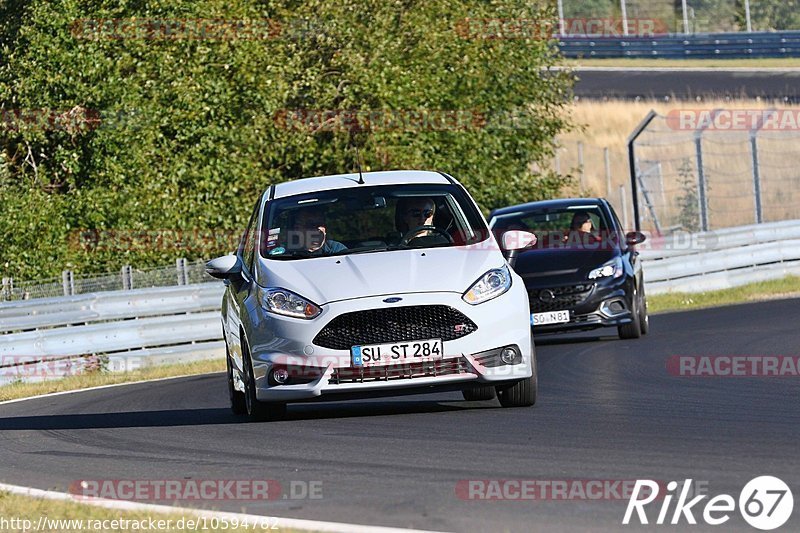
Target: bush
(181,134)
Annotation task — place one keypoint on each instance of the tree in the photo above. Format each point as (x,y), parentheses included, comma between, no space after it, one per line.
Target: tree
(152,133)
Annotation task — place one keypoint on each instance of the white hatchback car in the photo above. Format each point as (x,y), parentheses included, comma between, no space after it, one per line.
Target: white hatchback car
(377,285)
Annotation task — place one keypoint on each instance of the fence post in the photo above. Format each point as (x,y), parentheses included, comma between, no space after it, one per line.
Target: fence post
(67,282)
(757,167)
(624,203)
(608,171)
(8,288)
(632,163)
(702,188)
(183,273)
(127,277)
(756,178)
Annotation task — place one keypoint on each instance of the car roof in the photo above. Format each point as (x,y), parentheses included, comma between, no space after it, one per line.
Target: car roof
(548,204)
(346,181)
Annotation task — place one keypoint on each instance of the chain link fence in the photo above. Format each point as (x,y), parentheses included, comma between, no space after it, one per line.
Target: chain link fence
(182,273)
(599,172)
(647,17)
(696,170)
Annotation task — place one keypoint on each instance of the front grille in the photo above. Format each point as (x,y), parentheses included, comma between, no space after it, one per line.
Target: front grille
(442,367)
(565,297)
(394,324)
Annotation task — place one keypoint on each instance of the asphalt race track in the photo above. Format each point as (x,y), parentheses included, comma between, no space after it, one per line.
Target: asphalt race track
(687,83)
(607,410)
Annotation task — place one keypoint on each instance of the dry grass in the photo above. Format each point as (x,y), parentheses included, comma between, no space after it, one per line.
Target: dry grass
(96,379)
(66,516)
(788,287)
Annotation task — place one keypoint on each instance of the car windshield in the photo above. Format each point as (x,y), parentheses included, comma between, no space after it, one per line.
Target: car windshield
(578,226)
(370,219)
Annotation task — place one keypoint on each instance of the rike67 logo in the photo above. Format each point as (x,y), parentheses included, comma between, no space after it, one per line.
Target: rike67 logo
(765,503)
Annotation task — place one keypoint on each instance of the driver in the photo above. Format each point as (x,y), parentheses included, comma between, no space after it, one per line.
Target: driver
(580,229)
(311,233)
(413,213)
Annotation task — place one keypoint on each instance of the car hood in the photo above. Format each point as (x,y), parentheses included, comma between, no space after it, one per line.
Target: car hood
(553,267)
(329,279)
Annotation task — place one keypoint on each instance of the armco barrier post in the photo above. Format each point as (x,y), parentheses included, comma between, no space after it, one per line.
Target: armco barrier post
(127,277)
(183,273)
(68,282)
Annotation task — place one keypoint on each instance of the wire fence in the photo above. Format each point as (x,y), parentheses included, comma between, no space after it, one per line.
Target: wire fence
(698,177)
(652,17)
(182,273)
(598,172)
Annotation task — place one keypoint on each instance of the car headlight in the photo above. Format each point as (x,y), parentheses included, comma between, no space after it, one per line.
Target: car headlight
(490,285)
(612,268)
(287,303)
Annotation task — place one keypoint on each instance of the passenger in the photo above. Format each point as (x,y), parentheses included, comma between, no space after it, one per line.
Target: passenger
(311,233)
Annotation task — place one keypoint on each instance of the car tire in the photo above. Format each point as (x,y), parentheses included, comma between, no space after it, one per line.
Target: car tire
(644,317)
(237,399)
(479,394)
(523,393)
(633,330)
(257,410)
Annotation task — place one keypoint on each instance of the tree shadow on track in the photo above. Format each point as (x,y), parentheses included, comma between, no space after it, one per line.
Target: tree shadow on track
(216,416)
(559,338)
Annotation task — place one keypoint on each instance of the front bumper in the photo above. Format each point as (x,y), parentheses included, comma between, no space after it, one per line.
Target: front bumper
(606,304)
(316,372)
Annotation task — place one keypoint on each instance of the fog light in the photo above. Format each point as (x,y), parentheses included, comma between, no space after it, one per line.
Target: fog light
(508,355)
(280,376)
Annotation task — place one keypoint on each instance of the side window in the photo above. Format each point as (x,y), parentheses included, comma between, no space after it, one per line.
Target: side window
(247,247)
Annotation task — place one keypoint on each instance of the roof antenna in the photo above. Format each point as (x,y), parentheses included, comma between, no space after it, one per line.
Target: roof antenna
(358,164)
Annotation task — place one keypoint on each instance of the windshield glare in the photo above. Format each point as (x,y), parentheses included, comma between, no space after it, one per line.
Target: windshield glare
(370,219)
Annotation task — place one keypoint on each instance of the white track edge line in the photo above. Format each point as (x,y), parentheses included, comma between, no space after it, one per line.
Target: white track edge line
(99,387)
(124,505)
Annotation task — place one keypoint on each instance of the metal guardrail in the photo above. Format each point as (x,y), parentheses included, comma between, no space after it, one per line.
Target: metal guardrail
(699,46)
(117,330)
(722,259)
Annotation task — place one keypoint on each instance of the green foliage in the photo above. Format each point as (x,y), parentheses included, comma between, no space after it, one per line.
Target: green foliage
(182,134)
(688,206)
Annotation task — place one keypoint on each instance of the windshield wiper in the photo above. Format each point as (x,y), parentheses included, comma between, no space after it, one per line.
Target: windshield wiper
(291,255)
(367,249)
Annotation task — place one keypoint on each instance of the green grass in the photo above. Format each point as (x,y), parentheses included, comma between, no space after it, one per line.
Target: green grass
(766,290)
(13,506)
(96,379)
(788,62)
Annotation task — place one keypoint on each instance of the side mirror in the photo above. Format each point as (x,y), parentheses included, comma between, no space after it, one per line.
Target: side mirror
(634,237)
(225,267)
(514,241)
(517,240)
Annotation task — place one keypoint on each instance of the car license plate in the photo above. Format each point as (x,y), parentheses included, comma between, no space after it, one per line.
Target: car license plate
(397,353)
(551,317)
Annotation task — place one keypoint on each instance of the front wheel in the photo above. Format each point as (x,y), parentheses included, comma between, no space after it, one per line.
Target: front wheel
(522,393)
(644,318)
(633,330)
(237,399)
(258,410)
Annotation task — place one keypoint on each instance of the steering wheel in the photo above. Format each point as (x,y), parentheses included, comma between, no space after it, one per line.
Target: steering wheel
(411,235)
